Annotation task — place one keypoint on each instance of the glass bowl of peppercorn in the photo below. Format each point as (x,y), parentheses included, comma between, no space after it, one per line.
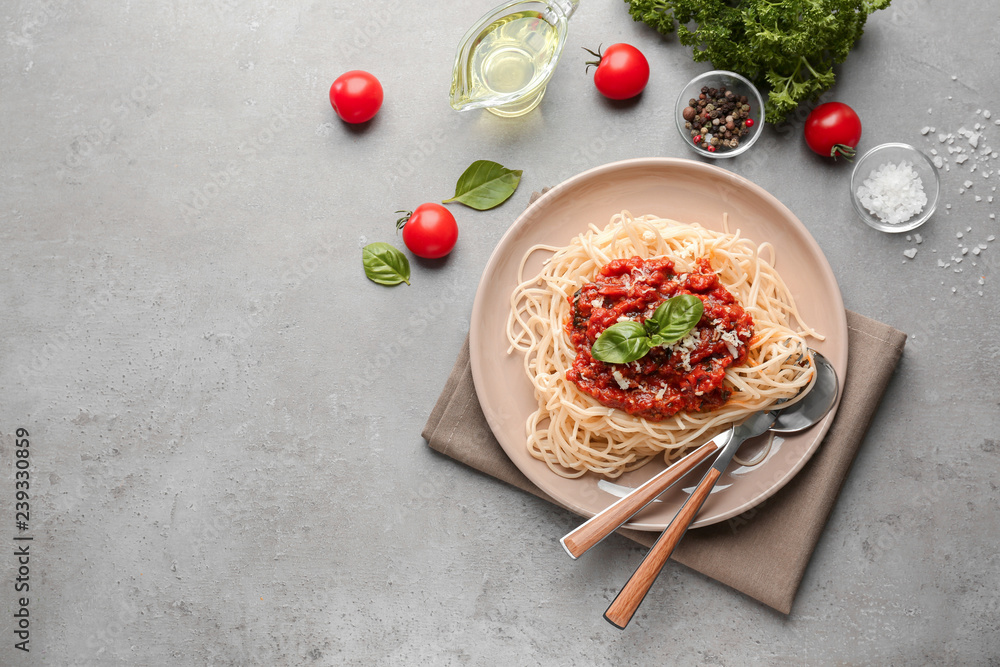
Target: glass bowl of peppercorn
(719,114)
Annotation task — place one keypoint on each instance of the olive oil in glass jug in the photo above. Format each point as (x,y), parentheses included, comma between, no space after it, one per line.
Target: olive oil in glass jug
(505,61)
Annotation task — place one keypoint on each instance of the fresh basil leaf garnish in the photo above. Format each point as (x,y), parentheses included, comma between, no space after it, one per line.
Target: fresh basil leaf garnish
(385,264)
(627,341)
(485,184)
(621,343)
(675,317)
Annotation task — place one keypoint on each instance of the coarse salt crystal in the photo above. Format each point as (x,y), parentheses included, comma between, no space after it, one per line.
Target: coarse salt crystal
(911,253)
(967,184)
(893,192)
(925,130)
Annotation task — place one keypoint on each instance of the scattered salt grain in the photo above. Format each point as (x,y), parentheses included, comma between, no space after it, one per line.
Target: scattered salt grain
(961,158)
(893,192)
(925,130)
(976,251)
(918,238)
(911,253)
(959,235)
(987,114)
(938,162)
(967,184)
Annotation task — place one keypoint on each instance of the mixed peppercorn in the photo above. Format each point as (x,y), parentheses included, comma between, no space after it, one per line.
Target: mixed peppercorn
(717,118)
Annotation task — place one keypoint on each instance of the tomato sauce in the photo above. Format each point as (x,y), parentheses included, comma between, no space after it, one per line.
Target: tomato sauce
(687,375)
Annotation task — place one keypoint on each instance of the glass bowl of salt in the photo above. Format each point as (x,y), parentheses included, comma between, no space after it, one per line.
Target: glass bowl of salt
(895,187)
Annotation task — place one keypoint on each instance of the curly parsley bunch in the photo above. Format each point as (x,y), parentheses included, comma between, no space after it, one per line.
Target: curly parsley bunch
(791,44)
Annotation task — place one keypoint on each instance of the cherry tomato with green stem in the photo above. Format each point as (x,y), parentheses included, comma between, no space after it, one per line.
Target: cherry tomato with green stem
(622,71)
(429,231)
(356,96)
(833,129)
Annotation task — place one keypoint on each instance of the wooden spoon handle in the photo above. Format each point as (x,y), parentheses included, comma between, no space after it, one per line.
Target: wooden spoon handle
(605,522)
(621,610)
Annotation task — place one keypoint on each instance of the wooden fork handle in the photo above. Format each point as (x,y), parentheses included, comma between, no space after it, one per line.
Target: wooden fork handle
(624,606)
(605,522)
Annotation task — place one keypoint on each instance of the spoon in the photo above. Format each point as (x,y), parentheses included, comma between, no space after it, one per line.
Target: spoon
(805,413)
(797,417)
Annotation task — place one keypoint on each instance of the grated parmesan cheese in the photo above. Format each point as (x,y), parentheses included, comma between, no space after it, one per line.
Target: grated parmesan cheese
(893,193)
(620,379)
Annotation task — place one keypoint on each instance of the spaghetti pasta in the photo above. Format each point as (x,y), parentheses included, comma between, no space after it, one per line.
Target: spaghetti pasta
(572,431)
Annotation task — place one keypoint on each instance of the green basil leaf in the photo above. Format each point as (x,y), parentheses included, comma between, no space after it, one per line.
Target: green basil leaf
(674,319)
(385,264)
(621,343)
(485,184)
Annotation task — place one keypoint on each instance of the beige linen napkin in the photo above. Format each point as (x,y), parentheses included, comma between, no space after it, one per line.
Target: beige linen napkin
(763,552)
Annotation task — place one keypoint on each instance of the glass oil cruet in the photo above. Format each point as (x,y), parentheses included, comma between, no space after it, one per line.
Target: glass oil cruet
(506,59)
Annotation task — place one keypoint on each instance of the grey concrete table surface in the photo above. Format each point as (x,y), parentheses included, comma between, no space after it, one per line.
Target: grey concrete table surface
(224,414)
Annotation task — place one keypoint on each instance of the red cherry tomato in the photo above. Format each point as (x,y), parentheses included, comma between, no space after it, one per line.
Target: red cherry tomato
(833,129)
(429,231)
(622,71)
(356,96)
